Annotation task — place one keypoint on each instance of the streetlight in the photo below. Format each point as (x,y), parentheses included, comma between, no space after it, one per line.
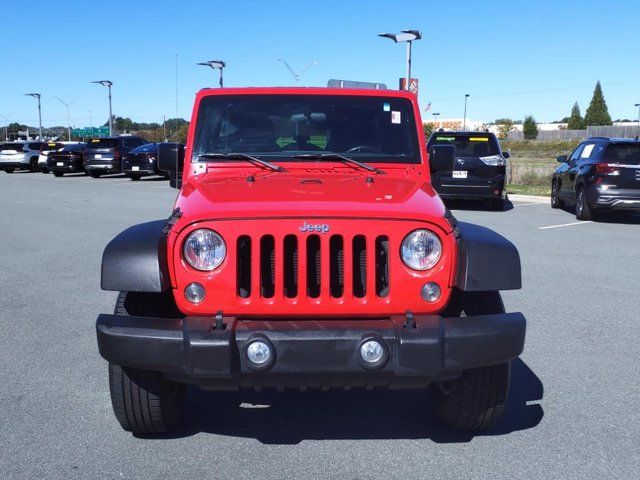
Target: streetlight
(464,121)
(67,104)
(215,64)
(37,97)
(108,84)
(435,117)
(407,36)
(297,76)
(6,126)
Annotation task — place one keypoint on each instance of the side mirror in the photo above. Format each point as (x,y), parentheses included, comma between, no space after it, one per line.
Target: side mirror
(562,159)
(506,155)
(171,160)
(441,158)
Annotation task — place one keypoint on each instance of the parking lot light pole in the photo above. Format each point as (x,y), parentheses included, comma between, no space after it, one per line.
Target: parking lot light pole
(215,64)
(408,37)
(638,105)
(464,121)
(108,84)
(37,97)
(435,117)
(297,75)
(68,105)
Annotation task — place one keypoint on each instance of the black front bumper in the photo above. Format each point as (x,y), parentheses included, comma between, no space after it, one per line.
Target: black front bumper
(478,189)
(310,353)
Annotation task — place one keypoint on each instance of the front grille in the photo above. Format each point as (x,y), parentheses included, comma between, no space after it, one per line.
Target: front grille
(312,266)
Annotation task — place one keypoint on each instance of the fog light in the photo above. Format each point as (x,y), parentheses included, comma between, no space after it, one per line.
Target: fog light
(194,293)
(372,353)
(430,292)
(259,353)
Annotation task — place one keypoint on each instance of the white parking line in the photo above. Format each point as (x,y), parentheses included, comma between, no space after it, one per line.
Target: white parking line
(566,225)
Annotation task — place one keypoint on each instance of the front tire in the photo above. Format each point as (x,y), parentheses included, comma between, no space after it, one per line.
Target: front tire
(583,212)
(555,197)
(94,174)
(477,399)
(9,170)
(57,174)
(135,177)
(33,165)
(144,402)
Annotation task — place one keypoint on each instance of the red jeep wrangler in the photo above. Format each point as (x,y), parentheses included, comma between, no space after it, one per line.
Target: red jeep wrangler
(307,249)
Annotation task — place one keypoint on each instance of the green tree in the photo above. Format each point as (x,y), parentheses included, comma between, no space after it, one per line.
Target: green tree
(576,122)
(529,128)
(181,135)
(597,113)
(504,126)
(123,124)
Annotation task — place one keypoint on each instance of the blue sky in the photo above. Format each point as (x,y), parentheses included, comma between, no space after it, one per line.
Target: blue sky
(513,57)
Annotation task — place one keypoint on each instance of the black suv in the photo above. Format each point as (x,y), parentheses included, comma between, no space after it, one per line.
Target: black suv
(602,174)
(104,155)
(67,159)
(479,169)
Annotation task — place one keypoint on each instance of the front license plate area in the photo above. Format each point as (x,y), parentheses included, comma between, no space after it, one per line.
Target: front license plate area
(459,174)
(135,169)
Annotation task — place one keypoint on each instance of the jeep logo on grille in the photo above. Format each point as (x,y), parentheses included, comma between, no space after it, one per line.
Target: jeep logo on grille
(318,227)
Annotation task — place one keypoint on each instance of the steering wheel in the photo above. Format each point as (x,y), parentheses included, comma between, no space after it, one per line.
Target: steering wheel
(363,149)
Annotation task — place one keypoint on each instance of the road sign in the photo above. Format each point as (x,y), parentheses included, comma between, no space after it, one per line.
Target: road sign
(90,132)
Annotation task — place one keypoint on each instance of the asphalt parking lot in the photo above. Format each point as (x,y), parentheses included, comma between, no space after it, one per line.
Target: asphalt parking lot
(573,411)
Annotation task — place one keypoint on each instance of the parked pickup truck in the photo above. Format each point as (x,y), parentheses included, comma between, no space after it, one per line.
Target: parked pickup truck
(308,249)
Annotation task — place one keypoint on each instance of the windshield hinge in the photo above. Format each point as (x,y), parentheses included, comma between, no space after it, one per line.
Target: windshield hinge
(171,221)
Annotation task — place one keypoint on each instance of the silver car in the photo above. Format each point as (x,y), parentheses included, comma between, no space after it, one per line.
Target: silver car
(19,156)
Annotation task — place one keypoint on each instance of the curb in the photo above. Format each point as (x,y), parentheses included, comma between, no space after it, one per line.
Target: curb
(528,198)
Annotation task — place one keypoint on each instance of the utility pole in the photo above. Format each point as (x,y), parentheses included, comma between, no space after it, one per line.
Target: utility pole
(297,75)
(108,84)
(6,126)
(464,121)
(37,97)
(407,36)
(68,118)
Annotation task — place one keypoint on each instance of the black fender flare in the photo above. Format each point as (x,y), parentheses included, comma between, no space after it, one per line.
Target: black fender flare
(486,260)
(136,259)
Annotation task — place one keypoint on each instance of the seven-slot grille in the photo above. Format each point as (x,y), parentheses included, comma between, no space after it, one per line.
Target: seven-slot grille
(312,266)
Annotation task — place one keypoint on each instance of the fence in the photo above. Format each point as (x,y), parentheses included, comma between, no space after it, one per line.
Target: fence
(619,131)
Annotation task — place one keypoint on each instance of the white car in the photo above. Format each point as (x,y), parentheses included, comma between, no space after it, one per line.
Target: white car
(19,156)
(47,148)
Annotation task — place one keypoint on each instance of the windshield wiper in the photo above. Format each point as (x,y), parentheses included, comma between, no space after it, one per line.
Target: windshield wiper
(243,156)
(337,156)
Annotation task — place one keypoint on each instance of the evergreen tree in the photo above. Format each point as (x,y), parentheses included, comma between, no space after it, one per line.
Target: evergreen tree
(576,122)
(529,128)
(597,113)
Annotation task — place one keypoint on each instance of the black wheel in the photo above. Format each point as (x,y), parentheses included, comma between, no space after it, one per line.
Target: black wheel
(33,165)
(583,212)
(135,177)
(477,399)
(555,198)
(9,170)
(145,402)
(57,173)
(44,170)
(94,174)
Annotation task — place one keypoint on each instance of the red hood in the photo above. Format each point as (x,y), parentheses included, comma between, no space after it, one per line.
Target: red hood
(307,195)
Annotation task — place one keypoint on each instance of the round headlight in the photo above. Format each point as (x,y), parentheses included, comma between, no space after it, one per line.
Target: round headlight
(421,250)
(204,250)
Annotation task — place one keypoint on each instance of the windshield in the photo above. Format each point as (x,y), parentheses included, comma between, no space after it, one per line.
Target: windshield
(73,147)
(628,153)
(12,146)
(147,148)
(468,146)
(277,127)
(103,143)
